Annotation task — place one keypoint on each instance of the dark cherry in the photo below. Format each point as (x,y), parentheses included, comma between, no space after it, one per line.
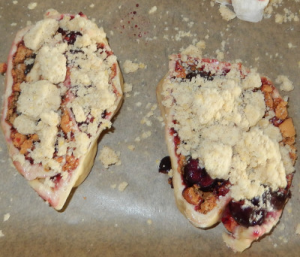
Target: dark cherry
(28,68)
(279,198)
(222,187)
(203,74)
(165,165)
(61,31)
(76,51)
(71,37)
(246,215)
(275,121)
(103,114)
(193,174)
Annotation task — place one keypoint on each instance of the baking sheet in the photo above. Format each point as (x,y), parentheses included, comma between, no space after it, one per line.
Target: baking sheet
(142,220)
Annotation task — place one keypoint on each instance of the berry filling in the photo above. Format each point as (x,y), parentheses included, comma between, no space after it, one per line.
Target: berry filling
(165,165)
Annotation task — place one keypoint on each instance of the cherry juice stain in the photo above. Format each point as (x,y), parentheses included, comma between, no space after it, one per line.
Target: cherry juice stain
(134,24)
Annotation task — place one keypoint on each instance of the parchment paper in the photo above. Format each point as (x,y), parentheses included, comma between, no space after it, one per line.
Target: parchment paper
(100,220)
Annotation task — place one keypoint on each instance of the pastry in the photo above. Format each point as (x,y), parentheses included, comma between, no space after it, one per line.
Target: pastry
(63,86)
(231,144)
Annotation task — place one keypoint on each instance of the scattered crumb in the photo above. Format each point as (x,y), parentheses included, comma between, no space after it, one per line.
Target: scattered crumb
(13,24)
(192,51)
(113,186)
(32,5)
(138,104)
(290,45)
(130,66)
(1,233)
(220,55)
(226,13)
(201,44)
(149,222)
(6,217)
(152,10)
(109,157)
(15,2)
(92,6)
(122,186)
(286,84)
(3,68)
(146,134)
(182,34)
(131,147)
(127,87)
(279,18)
(298,229)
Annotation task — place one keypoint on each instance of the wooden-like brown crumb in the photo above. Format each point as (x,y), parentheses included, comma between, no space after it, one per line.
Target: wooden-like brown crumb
(3,67)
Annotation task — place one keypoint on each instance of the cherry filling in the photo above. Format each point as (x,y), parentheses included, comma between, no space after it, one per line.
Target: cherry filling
(279,198)
(246,215)
(165,165)
(69,37)
(193,174)
(255,213)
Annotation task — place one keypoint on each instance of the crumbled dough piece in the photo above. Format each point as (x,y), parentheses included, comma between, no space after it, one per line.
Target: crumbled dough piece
(149,221)
(109,157)
(127,87)
(201,44)
(220,55)
(32,5)
(122,186)
(131,147)
(130,66)
(226,13)
(3,68)
(279,18)
(286,84)
(113,186)
(152,10)
(146,134)
(6,217)
(1,233)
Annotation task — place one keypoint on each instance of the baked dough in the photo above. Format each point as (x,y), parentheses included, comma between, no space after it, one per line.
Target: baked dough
(236,125)
(63,86)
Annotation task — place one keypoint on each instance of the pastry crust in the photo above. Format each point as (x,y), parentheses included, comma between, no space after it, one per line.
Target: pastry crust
(274,121)
(35,173)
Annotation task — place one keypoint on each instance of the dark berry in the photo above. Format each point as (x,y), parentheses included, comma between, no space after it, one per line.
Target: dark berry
(246,215)
(203,74)
(165,165)
(71,37)
(193,174)
(279,198)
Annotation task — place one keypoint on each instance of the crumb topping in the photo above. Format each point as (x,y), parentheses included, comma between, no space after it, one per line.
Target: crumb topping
(223,121)
(63,93)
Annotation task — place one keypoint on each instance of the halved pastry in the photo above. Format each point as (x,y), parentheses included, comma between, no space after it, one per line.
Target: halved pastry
(63,86)
(231,144)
